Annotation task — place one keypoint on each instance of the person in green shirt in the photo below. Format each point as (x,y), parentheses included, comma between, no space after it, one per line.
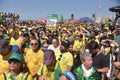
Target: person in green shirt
(86,71)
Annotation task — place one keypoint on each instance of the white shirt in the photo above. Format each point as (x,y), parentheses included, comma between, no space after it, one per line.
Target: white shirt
(51,47)
(87,72)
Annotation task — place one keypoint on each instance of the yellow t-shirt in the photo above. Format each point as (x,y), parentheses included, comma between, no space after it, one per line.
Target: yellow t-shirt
(34,59)
(21,76)
(79,45)
(49,75)
(4,66)
(65,60)
(15,42)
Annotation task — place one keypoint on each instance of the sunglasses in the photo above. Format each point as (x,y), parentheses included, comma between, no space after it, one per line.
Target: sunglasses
(13,60)
(60,58)
(33,44)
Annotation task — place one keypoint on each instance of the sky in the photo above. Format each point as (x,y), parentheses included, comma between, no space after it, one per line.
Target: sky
(39,9)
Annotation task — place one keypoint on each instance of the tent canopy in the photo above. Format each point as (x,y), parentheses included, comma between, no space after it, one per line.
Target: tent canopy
(42,21)
(75,21)
(86,19)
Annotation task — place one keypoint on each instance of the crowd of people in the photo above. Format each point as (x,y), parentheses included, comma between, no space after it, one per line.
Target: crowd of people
(71,51)
(9,16)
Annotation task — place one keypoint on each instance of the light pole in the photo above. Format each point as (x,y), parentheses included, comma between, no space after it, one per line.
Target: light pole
(99,8)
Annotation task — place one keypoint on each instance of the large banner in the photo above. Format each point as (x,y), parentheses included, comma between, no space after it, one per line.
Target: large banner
(52,20)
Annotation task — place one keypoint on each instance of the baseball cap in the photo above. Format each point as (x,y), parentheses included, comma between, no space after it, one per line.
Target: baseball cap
(15,48)
(3,44)
(69,75)
(16,56)
(48,57)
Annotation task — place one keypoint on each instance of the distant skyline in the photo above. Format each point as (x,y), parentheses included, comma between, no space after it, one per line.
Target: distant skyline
(39,9)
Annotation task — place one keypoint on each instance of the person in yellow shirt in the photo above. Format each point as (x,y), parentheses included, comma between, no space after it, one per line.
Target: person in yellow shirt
(34,57)
(16,71)
(93,36)
(25,42)
(50,69)
(64,57)
(15,38)
(5,50)
(79,43)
